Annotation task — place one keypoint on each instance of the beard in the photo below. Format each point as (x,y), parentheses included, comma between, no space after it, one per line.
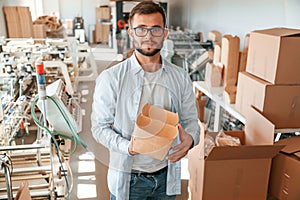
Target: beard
(148,51)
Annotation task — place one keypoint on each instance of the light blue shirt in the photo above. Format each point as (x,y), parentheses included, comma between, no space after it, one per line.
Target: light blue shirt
(115,106)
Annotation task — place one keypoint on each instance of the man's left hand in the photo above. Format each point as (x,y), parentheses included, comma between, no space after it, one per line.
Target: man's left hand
(181,149)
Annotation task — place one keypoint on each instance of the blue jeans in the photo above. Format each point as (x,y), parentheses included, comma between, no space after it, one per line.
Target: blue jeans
(148,187)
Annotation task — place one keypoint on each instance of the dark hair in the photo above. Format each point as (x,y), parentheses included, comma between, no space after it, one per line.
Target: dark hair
(147,7)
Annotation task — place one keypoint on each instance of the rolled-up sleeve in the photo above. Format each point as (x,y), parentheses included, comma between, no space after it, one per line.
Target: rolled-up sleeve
(103,114)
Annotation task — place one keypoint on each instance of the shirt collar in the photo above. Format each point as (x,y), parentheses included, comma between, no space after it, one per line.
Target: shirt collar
(137,68)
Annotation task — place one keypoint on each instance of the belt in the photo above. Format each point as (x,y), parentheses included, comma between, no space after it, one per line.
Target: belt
(141,173)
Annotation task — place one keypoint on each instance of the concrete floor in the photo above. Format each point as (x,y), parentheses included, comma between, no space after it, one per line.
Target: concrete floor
(89,166)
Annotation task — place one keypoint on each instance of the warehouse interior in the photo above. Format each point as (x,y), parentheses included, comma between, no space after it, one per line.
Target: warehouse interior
(241,57)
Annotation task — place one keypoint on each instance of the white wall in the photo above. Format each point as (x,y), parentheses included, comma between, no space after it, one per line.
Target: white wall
(228,16)
(50,7)
(81,8)
(69,9)
(28,3)
(238,17)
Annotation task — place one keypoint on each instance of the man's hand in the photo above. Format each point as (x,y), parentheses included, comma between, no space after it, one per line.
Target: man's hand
(130,151)
(181,149)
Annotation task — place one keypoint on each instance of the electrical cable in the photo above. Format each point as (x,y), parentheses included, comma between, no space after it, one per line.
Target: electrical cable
(63,170)
(71,176)
(8,164)
(75,137)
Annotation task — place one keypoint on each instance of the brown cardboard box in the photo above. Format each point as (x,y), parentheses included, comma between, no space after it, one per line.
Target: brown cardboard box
(102,32)
(278,103)
(18,21)
(25,21)
(240,172)
(273,55)
(103,14)
(284,178)
(12,21)
(39,31)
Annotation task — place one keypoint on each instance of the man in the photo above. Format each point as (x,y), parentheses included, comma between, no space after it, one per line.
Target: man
(121,92)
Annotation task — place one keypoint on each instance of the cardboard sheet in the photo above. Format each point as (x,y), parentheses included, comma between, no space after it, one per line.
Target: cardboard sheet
(154,132)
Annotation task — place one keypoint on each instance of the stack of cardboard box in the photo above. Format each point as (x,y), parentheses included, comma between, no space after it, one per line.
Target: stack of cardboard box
(271,82)
(268,96)
(18,21)
(270,89)
(103,24)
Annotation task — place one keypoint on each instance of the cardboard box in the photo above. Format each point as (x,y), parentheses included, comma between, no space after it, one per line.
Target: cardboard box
(102,32)
(12,21)
(227,173)
(279,103)
(284,178)
(39,31)
(273,55)
(18,21)
(25,21)
(103,14)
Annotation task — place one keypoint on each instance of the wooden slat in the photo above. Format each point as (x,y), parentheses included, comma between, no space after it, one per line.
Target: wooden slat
(31,187)
(31,177)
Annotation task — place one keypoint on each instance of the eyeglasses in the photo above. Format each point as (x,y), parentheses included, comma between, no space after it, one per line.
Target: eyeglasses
(155,31)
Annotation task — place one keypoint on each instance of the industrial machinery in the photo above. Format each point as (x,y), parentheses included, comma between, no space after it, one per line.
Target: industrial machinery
(40,116)
(78,26)
(190,54)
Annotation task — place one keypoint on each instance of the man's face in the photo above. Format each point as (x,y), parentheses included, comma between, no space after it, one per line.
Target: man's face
(147,42)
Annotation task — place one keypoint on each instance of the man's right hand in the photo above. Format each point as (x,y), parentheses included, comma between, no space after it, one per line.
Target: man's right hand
(130,151)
